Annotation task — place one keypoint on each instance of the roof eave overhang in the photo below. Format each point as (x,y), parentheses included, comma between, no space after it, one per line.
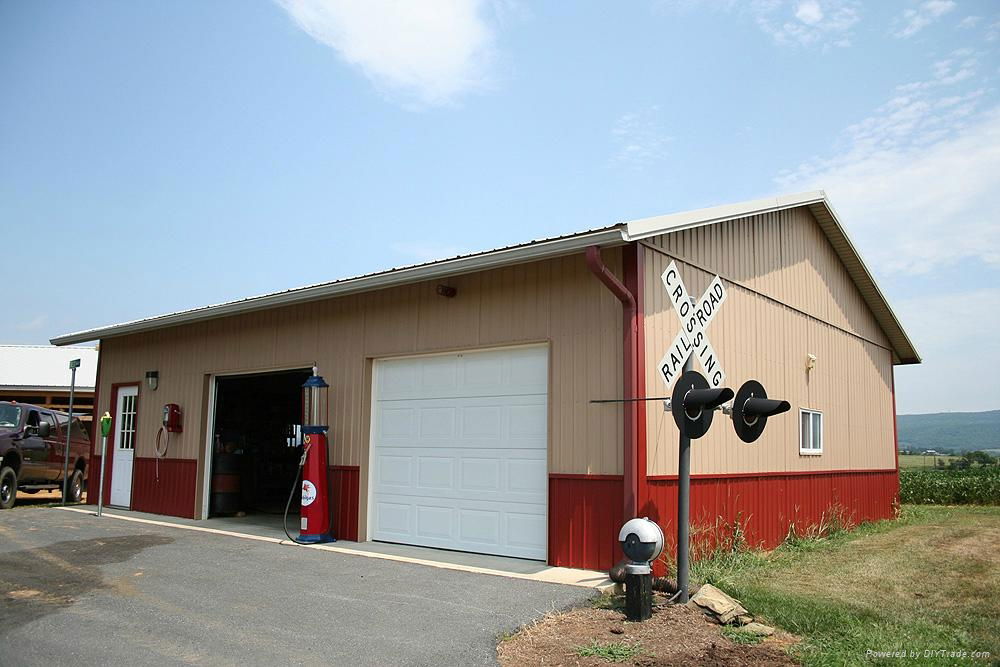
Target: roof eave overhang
(612,236)
(904,351)
(36,388)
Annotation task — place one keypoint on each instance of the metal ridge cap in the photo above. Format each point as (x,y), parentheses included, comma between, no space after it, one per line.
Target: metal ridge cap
(672,222)
(388,278)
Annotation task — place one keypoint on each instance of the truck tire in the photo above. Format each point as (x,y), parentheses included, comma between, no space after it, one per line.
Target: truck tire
(8,487)
(74,492)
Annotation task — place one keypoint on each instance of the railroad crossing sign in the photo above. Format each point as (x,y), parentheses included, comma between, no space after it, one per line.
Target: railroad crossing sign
(695,316)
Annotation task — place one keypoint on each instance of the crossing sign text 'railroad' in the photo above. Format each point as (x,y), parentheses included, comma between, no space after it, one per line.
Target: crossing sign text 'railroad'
(695,316)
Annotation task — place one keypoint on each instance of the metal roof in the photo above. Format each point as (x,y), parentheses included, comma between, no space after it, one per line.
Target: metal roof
(44,367)
(614,235)
(516,254)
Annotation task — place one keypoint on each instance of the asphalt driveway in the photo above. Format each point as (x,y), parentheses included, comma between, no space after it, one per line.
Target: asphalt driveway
(75,589)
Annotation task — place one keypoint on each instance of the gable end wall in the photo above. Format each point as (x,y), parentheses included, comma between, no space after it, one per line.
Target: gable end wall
(788,296)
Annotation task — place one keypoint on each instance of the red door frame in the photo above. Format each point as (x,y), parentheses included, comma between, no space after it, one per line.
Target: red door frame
(110,454)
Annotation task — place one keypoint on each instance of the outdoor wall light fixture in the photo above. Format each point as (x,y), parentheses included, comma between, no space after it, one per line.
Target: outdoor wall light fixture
(810,362)
(447,291)
(152,379)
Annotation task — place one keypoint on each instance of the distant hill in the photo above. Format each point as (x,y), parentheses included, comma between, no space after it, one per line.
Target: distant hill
(957,431)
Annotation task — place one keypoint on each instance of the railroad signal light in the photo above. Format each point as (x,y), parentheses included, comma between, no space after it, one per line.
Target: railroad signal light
(693,403)
(751,408)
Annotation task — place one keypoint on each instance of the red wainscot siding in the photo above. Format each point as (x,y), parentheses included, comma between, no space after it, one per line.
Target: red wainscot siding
(585,515)
(345,489)
(585,510)
(767,505)
(165,487)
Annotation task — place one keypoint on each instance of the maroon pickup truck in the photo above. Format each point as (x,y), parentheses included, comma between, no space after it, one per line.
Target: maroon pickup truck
(32,449)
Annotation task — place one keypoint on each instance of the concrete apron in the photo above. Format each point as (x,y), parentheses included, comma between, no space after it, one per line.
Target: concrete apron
(501,566)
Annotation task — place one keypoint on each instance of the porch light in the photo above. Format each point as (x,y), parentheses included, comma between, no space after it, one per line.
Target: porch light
(152,379)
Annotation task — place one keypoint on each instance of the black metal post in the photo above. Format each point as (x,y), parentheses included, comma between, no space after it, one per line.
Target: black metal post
(638,596)
(69,431)
(684,507)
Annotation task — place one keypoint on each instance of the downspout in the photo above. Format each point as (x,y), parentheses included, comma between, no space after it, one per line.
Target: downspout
(629,372)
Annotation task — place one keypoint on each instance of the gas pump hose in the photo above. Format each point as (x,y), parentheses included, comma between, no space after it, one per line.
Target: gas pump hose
(161,453)
(291,494)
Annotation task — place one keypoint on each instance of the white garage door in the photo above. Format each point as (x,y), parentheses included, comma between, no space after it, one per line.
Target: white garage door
(459,451)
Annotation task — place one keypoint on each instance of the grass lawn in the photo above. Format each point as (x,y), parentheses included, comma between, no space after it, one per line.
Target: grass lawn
(918,461)
(929,581)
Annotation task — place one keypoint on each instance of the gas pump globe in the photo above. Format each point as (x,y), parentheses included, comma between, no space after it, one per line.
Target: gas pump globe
(315,401)
(315,510)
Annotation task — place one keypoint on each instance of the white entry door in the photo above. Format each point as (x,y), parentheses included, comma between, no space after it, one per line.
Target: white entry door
(459,451)
(124,446)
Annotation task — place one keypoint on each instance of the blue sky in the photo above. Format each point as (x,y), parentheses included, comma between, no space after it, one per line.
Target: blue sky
(156,156)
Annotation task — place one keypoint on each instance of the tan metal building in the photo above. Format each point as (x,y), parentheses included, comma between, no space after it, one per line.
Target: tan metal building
(461,413)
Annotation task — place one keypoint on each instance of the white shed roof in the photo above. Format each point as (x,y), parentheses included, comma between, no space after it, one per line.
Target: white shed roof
(42,367)
(614,235)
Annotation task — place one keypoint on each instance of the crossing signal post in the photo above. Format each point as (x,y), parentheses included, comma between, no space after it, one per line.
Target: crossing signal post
(693,401)
(693,404)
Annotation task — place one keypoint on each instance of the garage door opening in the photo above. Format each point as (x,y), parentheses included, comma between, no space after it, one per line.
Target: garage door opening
(254,449)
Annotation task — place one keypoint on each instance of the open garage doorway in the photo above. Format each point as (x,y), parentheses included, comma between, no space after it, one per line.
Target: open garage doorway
(255,452)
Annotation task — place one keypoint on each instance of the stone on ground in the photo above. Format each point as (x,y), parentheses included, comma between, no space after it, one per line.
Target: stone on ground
(758,629)
(717,605)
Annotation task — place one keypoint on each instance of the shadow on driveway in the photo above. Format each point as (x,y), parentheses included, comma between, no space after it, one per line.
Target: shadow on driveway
(44,580)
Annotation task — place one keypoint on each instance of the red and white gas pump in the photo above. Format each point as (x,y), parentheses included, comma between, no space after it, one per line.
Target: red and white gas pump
(315,509)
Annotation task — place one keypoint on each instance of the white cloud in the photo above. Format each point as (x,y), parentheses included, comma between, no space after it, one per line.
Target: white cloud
(956,336)
(809,12)
(919,179)
(913,21)
(970,21)
(815,23)
(639,138)
(993,31)
(807,23)
(428,52)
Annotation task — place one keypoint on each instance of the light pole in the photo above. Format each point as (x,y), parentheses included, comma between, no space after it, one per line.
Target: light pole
(73,365)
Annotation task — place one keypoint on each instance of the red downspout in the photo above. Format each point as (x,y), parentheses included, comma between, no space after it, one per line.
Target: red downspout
(634,268)
(630,335)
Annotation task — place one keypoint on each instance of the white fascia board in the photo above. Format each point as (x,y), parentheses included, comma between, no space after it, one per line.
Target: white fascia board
(610,237)
(662,224)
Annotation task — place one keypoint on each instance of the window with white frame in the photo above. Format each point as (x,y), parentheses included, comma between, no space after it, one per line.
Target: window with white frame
(810,432)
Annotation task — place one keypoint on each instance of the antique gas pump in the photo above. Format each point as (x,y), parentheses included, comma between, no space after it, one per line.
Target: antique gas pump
(315,509)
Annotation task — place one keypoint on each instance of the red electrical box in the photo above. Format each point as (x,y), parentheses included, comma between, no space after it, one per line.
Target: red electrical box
(172,418)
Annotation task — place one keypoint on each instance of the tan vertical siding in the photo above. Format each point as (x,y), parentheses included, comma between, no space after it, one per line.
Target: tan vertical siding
(784,255)
(557,302)
(769,261)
